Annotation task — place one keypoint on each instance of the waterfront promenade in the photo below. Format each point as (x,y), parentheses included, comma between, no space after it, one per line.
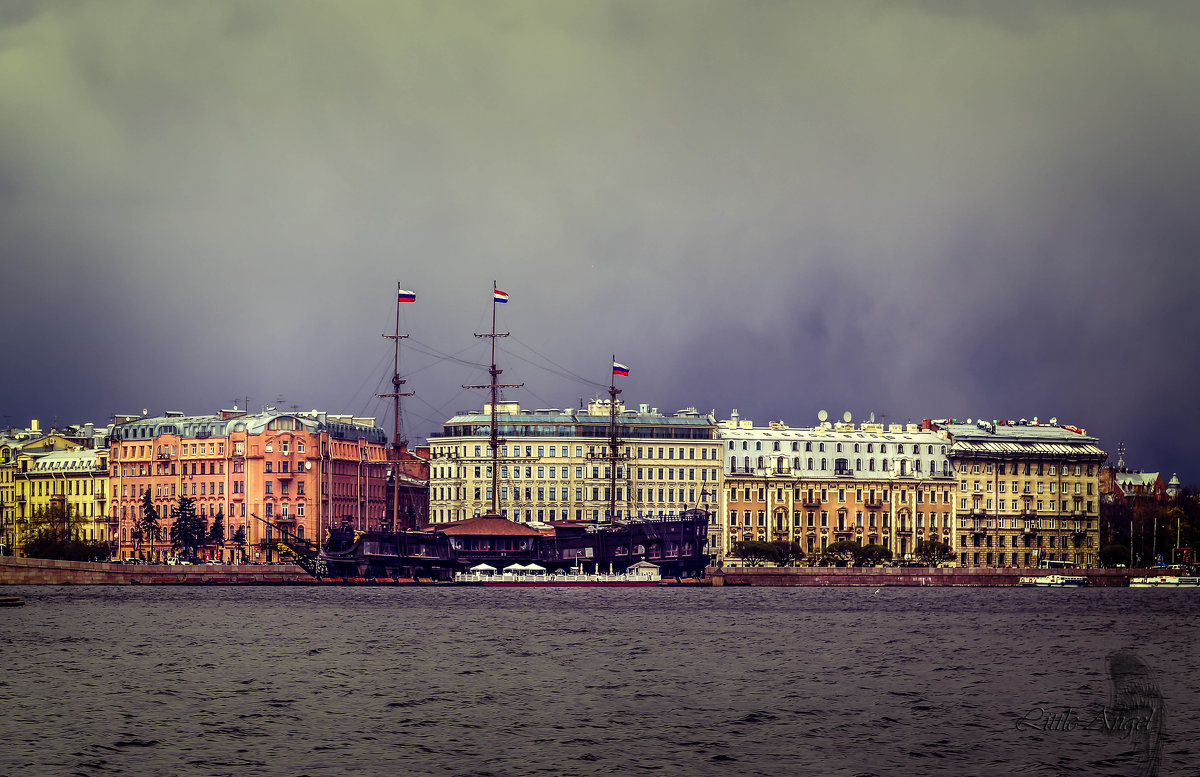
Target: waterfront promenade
(35,571)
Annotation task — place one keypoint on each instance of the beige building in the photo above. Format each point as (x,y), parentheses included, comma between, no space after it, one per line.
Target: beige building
(555,465)
(1028,495)
(889,485)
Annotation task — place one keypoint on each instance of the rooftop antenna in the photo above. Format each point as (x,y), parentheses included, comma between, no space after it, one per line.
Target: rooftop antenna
(872,416)
(846,416)
(822,416)
(1120,455)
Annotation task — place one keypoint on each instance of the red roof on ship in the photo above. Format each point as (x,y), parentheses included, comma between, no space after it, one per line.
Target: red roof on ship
(488,525)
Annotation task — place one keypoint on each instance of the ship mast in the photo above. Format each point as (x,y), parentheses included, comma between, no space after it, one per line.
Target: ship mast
(614,457)
(399,442)
(497,297)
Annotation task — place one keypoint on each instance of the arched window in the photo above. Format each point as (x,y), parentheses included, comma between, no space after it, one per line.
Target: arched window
(810,466)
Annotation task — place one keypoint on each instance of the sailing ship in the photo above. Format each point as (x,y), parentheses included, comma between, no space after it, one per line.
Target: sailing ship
(465,550)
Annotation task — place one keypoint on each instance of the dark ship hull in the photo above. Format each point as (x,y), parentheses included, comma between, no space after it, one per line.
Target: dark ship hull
(675,544)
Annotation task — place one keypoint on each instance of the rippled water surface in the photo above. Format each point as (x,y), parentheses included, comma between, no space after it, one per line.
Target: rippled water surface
(464,681)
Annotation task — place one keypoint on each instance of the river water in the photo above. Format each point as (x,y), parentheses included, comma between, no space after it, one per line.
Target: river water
(677,681)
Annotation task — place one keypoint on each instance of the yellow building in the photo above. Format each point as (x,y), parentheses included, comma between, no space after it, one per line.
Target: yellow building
(71,481)
(1028,495)
(9,449)
(555,465)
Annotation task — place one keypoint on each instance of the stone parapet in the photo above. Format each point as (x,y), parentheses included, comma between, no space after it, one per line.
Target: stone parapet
(40,571)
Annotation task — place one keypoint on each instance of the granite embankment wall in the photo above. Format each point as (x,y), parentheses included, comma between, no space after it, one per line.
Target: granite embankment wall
(903,576)
(40,571)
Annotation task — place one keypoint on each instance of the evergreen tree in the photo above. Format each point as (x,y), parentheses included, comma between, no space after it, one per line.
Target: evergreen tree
(239,540)
(187,530)
(146,526)
(216,534)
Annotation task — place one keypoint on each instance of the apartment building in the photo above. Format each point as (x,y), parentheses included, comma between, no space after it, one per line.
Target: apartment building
(1028,494)
(891,485)
(555,464)
(303,471)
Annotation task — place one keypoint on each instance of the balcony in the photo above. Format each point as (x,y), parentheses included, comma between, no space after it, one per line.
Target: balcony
(811,502)
(904,530)
(843,472)
(164,456)
(979,528)
(1078,513)
(874,504)
(1029,511)
(978,511)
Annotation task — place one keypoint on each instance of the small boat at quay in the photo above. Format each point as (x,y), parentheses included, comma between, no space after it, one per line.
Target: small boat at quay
(1164,581)
(640,574)
(1055,581)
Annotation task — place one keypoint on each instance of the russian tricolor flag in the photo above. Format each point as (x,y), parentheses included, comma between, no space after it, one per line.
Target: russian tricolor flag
(499,296)
(406,296)
(620,369)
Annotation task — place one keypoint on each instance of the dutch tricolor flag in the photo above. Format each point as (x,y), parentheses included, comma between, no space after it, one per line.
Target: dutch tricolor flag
(499,296)
(406,296)
(620,369)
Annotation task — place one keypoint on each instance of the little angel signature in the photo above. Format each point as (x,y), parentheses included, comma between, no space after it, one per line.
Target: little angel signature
(1123,723)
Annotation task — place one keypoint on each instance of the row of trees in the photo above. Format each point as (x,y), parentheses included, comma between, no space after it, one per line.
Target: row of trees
(1146,528)
(840,554)
(188,532)
(58,532)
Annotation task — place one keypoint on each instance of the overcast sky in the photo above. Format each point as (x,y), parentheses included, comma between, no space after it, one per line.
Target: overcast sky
(922,209)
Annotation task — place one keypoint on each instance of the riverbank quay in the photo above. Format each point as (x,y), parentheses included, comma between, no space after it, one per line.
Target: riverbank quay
(41,571)
(880,577)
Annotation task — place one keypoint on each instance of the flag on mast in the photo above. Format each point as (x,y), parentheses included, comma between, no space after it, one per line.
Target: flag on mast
(620,369)
(499,296)
(406,296)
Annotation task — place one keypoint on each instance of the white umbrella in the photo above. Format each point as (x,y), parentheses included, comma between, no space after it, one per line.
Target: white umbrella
(483,568)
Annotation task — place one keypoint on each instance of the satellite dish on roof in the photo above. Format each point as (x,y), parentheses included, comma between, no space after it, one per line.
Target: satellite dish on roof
(1054,420)
(846,416)
(872,416)
(822,415)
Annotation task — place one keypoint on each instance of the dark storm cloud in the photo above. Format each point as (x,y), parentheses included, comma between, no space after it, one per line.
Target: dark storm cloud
(921,209)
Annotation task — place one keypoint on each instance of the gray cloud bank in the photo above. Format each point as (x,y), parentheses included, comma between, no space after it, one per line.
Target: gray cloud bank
(945,209)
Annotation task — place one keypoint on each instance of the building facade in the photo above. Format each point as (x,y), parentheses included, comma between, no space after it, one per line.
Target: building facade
(555,465)
(888,485)
(1028,495)
(71,483)
(303,471)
